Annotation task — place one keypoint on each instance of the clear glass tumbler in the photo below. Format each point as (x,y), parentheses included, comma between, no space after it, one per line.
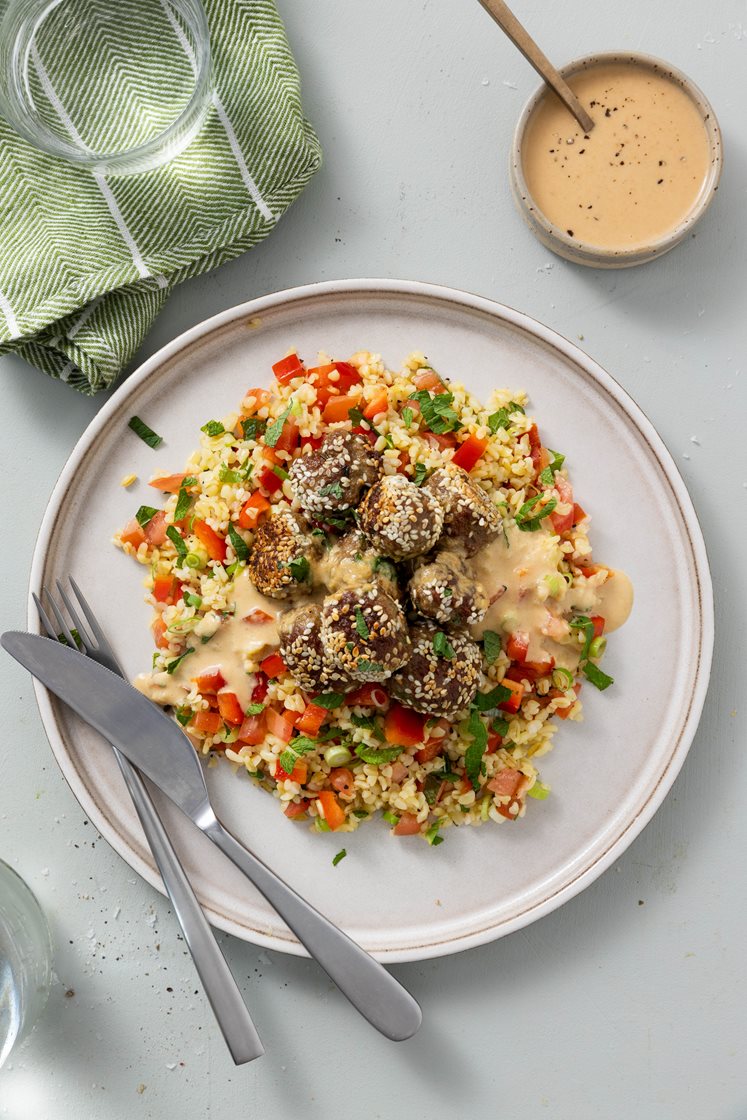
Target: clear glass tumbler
(118,86)
(25,960)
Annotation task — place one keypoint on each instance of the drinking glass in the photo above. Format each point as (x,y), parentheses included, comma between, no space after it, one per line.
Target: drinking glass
(117,86)
(25,960)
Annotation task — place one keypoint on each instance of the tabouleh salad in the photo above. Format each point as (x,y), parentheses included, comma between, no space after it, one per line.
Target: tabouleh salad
(373,592)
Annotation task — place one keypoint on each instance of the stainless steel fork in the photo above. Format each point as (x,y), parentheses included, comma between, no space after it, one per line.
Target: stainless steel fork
(220,987)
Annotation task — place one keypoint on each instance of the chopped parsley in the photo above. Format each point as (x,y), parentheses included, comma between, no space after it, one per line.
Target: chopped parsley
(213,428)
(476,749)
(437,413)
(442,647)
(340,855)
(547,476)
(597,677)
(225,474)
(331,490)
(498,420)
(176,539)
(491,645)
(144,515)
(407,417)
(531,524)
(329,700)
(174,665)
(486,701)
(147,435)
(254,709)
(299,568)
(238,544)
(421,473)
(360,624)
(275,429)
(432,835)
(377,756)
(253,427)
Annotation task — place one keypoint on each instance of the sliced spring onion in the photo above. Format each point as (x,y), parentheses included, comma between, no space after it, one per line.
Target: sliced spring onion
(192,600)
(321,825)
(583,623)
(337,756)
(147,435)
(280,472)
(390,818)
(597,647)
(182,625)
(193,560)
(485,807)
(555,584)
(539,791)
(562,678)
(599,679)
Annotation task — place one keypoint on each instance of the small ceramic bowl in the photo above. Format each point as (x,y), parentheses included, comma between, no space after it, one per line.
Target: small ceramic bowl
(581,252)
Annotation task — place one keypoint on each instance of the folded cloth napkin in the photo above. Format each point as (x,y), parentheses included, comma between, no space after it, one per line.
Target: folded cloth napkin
(86,263)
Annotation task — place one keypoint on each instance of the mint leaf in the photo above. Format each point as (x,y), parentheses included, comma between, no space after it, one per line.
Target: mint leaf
(144,515)
(147,435)
(491,645)
(475,751)
(213,428)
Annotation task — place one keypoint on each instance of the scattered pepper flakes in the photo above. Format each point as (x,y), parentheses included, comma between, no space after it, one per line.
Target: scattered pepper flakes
(128,480)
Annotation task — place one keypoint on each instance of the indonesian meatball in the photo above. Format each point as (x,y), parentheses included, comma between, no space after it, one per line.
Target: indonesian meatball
(400,519)
(364,633)
(442,673)
(471,519)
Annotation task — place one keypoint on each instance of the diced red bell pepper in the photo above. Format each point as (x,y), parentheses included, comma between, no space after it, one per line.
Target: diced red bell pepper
(168,484)
(470,452)
(160,637)
(273,665)
(378,403)
(270,481)
(252,510)
(214,545)
(514,701)
(598,624)
(403,727)
(261,686)
(164,589)
(511,810)
(312,442)
(441,442)
(335,379)
(132,533)
(299,773)
(260,398)
(288,368)
(494,742)
(555,694)
(368,696)
(337,408)
(349,376)
(207,721)
(517,646)
(407,825)
(428,379)
(210,681)
(253,730)
(333,813)
(535,448)
(312,720)
(290,436)
(578,514)
(230,709)
(367,433)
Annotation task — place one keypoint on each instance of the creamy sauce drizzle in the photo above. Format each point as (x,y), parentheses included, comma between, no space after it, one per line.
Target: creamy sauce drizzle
(636,175)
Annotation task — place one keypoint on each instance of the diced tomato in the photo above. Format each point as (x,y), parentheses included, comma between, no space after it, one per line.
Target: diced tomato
(337,408)
(295,809)
(403,727)
(367,433)
(155,530)
(299,773)
(333,813)
(261,397)
(431,749)
(349,376)
(506,782)
(598,624)
(578,514)
(445,442)
(378,403)
(535,448)
(164,588)
(368,696)
(342,780)
(230,709)
(561,522)
(511,810)
(270,481)
(428,379)
(336,379)
(555,694)
(312,720)
(168,484)
(514,701)
(132,533)
(279,725)
(407,825)
(288,368)
(470,452)
(160,637)
(312,442)
(208,722)
(273,665)
(399,772)
(214,545)
(210,681)
(494,742)
(290,436)
(517,645)
(253,730)
(261,686)
(252,510)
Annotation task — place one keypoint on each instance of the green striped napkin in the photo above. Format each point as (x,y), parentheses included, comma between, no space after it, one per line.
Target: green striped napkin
(86,263)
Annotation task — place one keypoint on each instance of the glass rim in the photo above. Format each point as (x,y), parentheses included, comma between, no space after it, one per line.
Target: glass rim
(148,155)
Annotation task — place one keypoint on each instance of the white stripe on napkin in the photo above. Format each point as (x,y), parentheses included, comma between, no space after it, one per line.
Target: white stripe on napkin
(10,317)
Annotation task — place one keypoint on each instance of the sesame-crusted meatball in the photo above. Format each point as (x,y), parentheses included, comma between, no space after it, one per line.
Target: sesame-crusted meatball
(351,562)
(333,478)
(280,560)
(471,518)
(303,653)
(400,519)
(433,683)
(444,588)
(364,633)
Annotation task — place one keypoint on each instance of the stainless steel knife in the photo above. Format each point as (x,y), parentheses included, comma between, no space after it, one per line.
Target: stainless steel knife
(161,750)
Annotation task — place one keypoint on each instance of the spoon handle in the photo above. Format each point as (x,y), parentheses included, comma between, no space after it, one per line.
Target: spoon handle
(518,35)
(370,988)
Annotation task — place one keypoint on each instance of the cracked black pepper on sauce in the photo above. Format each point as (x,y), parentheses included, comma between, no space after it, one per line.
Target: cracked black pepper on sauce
(636,175)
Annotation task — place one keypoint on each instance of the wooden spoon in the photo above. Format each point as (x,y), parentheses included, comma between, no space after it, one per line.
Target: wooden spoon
(508,22)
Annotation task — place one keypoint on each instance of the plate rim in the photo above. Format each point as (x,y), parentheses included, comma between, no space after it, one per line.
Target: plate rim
(604,380)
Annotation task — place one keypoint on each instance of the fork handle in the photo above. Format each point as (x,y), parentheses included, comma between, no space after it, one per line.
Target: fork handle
(218,982)
(370,988)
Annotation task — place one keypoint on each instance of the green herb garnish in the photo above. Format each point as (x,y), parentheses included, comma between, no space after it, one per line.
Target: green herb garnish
(529,524)
(538,791)
(498,420)
(437,413)
(253,427)
(597,677)
(421,473)
(184,501)
(183,715)
(144,515)
(486,701)
(442,647)
(500,726)
(389,817)
(299,568)
(340,855)
(238,544)
(295,749)
(176,539)
(75,636)
(583,623)
(407,417)
(329,700)
(174,665)
(254,709)
(213,428)
(514,406)
(331,490)
(147,435)
(365,666)
(377,756)
(491,646)
(475,751)
(432,834)
(360,624)
(547,476)
(274,431)
(225,474)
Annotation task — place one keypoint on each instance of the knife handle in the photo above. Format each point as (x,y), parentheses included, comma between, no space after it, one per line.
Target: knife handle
(217,980)
(370,988)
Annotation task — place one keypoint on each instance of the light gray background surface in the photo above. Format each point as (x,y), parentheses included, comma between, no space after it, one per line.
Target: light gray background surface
(629,1001)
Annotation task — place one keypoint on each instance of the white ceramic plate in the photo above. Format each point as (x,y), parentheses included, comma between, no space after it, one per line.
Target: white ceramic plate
(404,900)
